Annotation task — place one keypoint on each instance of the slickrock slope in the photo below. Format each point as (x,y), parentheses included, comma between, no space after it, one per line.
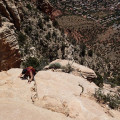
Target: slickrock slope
(15,100)
(24,111)
(53,96)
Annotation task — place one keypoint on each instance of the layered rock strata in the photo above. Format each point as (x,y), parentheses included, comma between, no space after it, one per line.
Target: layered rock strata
(78,69)
(9,49)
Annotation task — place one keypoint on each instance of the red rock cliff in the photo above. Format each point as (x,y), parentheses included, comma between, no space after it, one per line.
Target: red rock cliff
(9,50)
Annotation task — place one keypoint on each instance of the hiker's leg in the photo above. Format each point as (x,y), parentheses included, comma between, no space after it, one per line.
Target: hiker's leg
(29,81)
(33,77)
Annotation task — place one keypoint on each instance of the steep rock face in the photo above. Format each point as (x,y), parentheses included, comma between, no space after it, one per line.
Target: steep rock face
(4,10)
(9,10)
(43,38)
(9,50)
(53,96)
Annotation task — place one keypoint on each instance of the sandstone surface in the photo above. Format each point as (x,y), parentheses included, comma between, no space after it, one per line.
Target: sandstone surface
(53,95)
(15,99)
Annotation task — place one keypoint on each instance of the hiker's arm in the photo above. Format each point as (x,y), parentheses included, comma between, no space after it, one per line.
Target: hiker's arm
(31,76)
(20,75)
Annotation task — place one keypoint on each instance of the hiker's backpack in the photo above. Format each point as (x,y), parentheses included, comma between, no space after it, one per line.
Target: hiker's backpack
(30,68)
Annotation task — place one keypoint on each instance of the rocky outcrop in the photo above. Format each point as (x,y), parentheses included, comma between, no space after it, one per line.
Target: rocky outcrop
(4,11)
(53,96)
(9,50)
(78,70)
(9,10)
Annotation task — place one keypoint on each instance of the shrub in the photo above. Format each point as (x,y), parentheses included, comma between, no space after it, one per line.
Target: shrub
(28,29)
(29,6)
(113,101)
(99,95)
(42,63)
(73,41)
(48,25)
(21,38)
(114,104)
(55,66)
(55,23)
(112,85)
(54,35)
(46,18)
(68,68)
(26,49)
(48,36)
(31,61)
(99,80)
(115,81)
(40,24)
(90,53)
(83,48)
(36,35)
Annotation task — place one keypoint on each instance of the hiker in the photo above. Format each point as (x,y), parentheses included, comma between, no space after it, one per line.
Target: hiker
(28,72)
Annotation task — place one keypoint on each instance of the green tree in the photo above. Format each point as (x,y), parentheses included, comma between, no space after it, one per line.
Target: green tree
(31,61)
(40,24)
(21,38)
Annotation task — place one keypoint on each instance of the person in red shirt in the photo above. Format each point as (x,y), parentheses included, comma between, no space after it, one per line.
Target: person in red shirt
(28,72)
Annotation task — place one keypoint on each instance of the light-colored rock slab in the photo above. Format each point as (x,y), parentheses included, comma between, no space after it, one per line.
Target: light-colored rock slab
(57,97)
(13,110)
(59,92)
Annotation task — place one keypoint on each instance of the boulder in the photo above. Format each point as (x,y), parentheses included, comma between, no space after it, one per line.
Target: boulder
(78,69)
